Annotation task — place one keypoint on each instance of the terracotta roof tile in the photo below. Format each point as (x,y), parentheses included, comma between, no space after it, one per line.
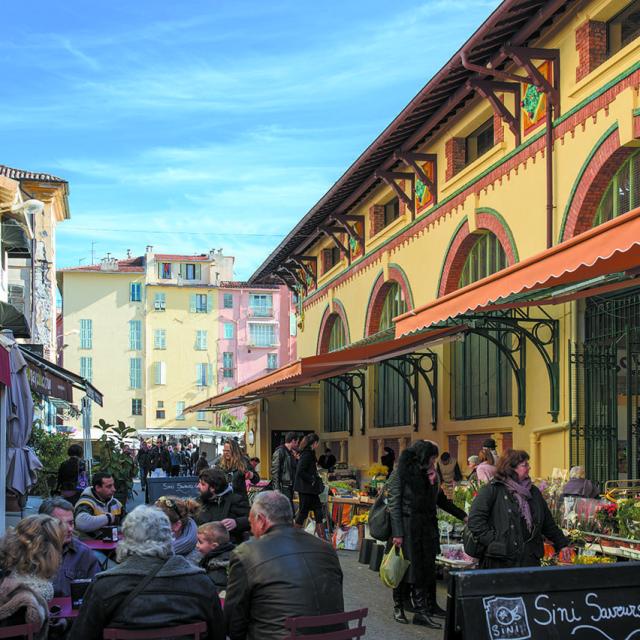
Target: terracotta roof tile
(19,174)
(203,257)
(131,265)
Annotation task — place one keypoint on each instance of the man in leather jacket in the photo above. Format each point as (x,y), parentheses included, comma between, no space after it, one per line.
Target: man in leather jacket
(283,466)
(281,573)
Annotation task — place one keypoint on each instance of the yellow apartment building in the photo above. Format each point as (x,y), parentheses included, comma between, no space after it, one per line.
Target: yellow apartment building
(473,273)
(144,331)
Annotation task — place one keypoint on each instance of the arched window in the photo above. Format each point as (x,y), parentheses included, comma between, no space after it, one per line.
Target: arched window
(336,411)
(480,373)
(393,406)
(623,192)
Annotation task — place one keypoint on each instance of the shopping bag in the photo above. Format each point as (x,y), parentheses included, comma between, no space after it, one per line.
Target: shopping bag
(311,526)
(393,567)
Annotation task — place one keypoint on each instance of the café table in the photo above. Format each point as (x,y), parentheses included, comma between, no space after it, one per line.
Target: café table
(103,546)
(66,611)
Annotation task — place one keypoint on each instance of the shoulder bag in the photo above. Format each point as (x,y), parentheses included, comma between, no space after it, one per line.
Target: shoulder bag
(472,546)
(380,519)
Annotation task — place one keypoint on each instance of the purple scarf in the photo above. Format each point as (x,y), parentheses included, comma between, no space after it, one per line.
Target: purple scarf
(522,493)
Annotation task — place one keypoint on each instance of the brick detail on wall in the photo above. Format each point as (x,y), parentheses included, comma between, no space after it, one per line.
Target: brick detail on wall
(498,131)
(591,45)
(376,219)
(454,150)
(636,127)
(379,293)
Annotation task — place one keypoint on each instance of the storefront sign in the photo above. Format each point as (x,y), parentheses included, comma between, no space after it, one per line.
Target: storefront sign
(594,602)
(47,384)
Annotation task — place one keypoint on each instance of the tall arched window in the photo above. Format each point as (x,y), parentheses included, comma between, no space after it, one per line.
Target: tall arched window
(393,406)
(480,373)
(623,192)
(336,411)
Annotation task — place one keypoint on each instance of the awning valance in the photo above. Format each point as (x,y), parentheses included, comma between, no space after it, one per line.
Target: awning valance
(312,369)
(49,379)
(611,248)
(14,239)
(12,318)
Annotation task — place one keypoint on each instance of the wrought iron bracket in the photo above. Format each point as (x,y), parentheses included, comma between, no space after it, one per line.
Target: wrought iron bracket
(310,270)
(541,332)
(416,370)
(488,88)
(392,177)
(354,383)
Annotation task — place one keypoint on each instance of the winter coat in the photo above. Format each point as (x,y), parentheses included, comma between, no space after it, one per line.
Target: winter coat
(413,502)
(307,478)
(449,472)
(179,594)
(78,563)
(285,573)
(201,465)
(283,469)
(90,513)
(496,523)
(227,505)
(235,477)
(216,564)
(21,603)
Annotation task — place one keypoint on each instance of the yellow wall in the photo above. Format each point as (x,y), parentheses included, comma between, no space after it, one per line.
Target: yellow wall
(520,198)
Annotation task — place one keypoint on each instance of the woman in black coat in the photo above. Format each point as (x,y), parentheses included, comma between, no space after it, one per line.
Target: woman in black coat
(414,495)
(308,483)
(509,518)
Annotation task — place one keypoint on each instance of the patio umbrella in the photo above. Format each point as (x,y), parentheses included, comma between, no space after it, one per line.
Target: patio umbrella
(22,462)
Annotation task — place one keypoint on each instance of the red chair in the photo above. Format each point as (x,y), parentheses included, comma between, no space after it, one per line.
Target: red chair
(195,629)
(304,623)
(27,631)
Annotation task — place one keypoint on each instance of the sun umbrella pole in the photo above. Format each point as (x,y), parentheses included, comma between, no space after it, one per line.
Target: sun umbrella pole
(3,458)
(86,432)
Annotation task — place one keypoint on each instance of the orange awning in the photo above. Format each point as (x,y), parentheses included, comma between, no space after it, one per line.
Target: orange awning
(327,365)
(612,247)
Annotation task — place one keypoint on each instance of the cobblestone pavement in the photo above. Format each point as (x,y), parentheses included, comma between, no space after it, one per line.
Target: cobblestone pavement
(363,588)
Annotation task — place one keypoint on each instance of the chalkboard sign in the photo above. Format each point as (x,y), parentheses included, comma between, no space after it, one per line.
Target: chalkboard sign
(594,602)
(182,486)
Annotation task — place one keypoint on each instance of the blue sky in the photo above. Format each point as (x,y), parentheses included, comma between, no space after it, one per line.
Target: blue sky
(200,124)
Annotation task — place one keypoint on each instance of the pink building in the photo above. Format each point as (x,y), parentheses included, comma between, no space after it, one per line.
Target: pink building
(256,331)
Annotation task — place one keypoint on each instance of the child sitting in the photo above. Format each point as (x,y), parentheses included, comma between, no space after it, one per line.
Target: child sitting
(214,546)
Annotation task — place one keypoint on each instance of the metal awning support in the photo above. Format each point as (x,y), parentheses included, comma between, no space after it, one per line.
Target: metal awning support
(391,178)
(488,88)
(541,332)
(417,369)
(331,232)
(354,383)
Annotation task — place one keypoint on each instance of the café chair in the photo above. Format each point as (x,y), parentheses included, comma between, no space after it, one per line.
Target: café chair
(196,629)
(299,627)
(27,631)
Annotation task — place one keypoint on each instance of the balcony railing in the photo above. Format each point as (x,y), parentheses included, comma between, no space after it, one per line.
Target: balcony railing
(261,311)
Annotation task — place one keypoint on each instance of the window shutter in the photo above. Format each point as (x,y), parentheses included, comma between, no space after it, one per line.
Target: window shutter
(192,304)
(182,269)
(159,269)
(198,272)
(209,374)
(209,303)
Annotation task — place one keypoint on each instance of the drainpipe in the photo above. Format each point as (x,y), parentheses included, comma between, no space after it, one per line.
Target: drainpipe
(549,166)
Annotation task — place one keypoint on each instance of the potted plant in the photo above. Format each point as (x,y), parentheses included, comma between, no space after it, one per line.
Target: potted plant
(116,458)
(51,449)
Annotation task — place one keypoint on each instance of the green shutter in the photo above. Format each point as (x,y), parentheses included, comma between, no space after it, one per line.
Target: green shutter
(198,272)
(209,303)
(209,374)
(192,303)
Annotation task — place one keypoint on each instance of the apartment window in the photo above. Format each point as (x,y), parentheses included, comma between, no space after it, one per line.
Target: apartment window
(160,339)
(479,141)
(160,301)
(262,334)
(331,258)
(86,334)
(227,364)
(261,305)
(160,415)
(228,330)
(391,211)
(200,303)
(136,407)
(201,416)
(86,368)
(201,340)
(204,374)
(272,361)
(164,270)
(135,292)
(135,335)
(160,372)
(623,192)
(180,410)
(191,271)
(623,28)
(135,373)
(227,301)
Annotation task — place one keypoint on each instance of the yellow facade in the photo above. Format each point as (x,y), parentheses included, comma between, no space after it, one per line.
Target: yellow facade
(104,298)
(505,189)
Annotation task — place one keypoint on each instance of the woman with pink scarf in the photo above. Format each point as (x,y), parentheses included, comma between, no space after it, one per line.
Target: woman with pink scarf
(510,518)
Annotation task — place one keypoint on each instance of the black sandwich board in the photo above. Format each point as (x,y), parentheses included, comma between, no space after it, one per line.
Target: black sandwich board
(589,602)
(181,487)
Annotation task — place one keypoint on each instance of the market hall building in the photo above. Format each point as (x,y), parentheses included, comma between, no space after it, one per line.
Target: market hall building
(473,273)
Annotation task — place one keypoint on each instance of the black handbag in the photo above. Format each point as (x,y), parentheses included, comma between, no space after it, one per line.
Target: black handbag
(380,519)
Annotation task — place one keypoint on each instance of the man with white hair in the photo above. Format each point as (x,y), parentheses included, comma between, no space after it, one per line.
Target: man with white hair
(151,587)
(281,573)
